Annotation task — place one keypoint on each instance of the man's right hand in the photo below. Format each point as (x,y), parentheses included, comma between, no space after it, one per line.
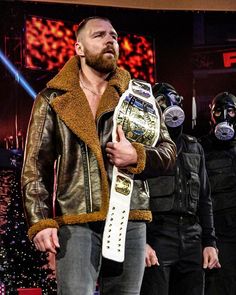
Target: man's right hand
(47,240)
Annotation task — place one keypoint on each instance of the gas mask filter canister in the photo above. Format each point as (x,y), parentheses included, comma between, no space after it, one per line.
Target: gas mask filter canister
(174,116)
(223,131)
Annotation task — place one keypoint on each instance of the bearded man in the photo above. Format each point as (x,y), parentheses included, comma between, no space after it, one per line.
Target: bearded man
(68,157)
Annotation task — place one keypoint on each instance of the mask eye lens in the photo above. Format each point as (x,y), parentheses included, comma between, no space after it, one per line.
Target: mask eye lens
(178,99)
(217,113)
(231,112)
(161,100)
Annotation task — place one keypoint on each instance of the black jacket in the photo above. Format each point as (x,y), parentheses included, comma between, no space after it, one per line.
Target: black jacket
(221,169)
(185,189)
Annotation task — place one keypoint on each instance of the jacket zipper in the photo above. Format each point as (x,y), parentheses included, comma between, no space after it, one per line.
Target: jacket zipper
(55,182)
(89,179)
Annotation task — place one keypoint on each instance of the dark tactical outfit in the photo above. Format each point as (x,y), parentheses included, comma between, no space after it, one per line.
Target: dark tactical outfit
(182,219)
(220,156)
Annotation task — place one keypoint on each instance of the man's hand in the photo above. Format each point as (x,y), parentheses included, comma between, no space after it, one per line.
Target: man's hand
(150,257)
(121,153)
(47,240)
(210,258)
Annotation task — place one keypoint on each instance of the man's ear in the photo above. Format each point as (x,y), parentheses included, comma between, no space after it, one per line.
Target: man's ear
(79,49)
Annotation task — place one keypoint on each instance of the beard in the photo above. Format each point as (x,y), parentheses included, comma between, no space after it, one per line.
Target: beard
(101,63)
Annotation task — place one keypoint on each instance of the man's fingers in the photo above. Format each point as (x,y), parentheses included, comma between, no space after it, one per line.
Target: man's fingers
(205,262)
(49,246)
(46,240)
(214,263)
(148,262)
(120,133)
(154,259)
(151,260)
(110,146)
(217,265)
(37,246)
(38,242)
(40,245)
(151,257)
(211,263)
(55,238)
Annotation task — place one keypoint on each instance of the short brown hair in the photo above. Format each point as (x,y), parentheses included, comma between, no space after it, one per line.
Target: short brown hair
(82,24)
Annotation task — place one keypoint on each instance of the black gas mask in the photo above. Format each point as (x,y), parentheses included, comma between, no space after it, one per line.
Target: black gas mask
(171,104)
(223,116)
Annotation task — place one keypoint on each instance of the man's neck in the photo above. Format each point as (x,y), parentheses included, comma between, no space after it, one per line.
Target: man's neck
(94,79)
(93,84)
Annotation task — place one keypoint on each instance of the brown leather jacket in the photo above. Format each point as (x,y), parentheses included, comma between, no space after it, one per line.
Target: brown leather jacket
(65,173)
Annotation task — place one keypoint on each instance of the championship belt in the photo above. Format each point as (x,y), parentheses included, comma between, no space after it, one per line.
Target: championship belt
(138,115)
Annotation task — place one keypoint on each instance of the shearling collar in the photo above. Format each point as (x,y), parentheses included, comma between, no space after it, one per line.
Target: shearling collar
(72,106)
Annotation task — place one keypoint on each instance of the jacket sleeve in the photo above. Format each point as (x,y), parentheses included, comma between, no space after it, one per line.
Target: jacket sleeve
(154,161)
(205,207)
(38,168)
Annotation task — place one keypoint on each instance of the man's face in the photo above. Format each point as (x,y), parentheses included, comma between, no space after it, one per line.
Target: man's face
(97,44)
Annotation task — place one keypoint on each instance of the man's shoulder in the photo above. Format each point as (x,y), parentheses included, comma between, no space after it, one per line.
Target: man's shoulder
(192,144)
(189,138)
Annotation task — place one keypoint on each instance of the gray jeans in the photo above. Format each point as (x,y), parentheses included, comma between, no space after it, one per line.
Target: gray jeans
(79,261)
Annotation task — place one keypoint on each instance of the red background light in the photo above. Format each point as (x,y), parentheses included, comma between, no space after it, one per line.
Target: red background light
(50,43)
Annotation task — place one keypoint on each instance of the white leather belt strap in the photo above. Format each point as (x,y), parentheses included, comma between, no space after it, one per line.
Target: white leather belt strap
(139,117)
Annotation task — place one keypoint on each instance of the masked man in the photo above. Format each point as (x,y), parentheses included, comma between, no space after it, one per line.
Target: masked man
(220,152)
(181,241)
